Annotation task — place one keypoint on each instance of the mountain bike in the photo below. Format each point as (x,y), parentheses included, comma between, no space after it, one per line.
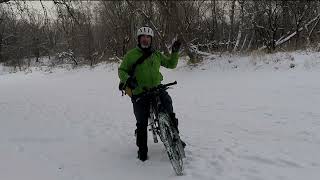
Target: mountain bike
(162,126)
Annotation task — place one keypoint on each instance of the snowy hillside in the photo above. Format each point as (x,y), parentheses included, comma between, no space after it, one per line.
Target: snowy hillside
(243,118)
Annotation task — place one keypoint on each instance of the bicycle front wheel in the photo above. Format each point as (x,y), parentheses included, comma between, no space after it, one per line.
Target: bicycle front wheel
(171,142)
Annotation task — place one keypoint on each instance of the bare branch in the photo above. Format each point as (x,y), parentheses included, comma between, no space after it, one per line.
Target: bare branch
(3,1)
(69,9)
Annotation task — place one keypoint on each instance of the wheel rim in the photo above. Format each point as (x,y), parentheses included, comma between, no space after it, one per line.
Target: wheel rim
(171,147)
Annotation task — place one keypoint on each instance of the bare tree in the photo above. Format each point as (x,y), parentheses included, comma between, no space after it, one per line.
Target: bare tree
(89,32)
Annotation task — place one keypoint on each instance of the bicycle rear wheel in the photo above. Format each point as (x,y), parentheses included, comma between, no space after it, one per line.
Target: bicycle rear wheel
(171,142)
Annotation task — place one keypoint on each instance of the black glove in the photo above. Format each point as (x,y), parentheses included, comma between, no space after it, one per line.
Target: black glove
(176,46)
(121,86)
(131,83)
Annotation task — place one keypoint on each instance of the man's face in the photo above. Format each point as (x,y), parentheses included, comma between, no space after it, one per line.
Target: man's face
(145,41)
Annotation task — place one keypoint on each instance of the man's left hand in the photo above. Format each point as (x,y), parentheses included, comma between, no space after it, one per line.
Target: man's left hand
(176,46)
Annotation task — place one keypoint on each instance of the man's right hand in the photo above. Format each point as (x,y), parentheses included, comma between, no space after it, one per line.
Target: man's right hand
(131,83)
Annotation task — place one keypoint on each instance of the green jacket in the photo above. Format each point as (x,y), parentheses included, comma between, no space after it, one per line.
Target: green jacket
(147,73)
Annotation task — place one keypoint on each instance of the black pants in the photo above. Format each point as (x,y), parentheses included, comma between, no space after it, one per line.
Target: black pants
(141,111)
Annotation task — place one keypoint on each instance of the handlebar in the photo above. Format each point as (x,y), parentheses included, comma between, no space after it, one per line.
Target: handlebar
(155,90)
(170,84)
(163,86)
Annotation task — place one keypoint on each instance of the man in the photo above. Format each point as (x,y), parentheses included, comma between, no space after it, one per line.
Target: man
(138,71)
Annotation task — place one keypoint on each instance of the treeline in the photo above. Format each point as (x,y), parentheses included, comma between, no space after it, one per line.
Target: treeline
(88,32)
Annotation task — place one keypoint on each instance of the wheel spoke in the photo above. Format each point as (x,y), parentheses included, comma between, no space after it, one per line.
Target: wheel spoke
(172,148)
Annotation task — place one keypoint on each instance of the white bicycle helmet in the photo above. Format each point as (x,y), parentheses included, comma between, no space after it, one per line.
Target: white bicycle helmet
(145,31)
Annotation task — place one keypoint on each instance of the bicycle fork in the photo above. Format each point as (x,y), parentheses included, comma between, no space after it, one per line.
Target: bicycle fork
(153,126)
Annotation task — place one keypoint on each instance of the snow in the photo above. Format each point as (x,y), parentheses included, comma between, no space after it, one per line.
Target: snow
(242,117)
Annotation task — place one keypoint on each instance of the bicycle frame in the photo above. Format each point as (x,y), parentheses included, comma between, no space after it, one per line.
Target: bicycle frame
(155,109)
(153,119)
(161,125)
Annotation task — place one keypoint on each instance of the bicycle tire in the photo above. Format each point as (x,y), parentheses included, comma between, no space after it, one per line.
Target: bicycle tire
(168,139)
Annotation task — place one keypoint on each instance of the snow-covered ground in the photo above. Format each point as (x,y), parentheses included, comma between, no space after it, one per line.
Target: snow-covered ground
(243,118)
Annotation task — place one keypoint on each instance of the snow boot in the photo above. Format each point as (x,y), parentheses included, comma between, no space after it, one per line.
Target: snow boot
(143,156)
